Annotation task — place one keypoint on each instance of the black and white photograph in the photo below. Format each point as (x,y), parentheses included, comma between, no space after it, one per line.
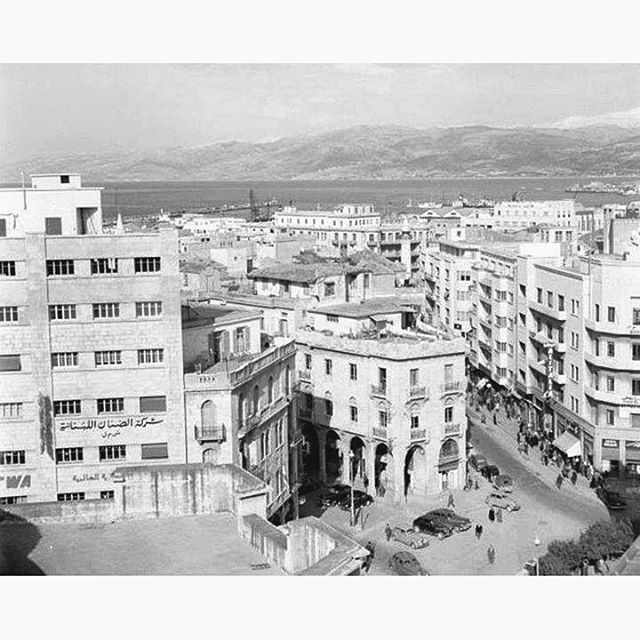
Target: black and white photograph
(268,318)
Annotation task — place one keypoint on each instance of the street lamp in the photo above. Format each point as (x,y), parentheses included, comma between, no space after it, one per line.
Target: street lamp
(537,543)
(352,455)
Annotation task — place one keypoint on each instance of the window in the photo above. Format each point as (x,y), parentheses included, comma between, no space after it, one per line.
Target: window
(328,367)
(7,500)
(64,359)
(60,268)
(67,407)
(108,358)
(611,349)
(157,451)
(8,314)
(353,371)
(413,377)
(611,417)
(64,179)
(7,268)
(148,309)
(3,227)
(106,310)
(636,317)
(107,495)
(383,418)
(382,379)
(354,413)
(53,226)
(611,314)
(100,266)
(10,410)
(448,414)
(150,356)
(328,405)
(597,313)
(69,454)
(415,422)
(11,457)
(329,289)
(539,291)
(146,265)
(307,361)
(332,318)
(71,497)
(635,387)
(575,307)
(10,363)
(153,404)
(635,351)
(112,452)
(62,312)
(550,299)
(560,303)
(611,383)
(575,340)
(110,405)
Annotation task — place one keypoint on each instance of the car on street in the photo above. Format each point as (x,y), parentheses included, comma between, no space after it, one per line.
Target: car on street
(478,462)
(459,523)
(406,564)
(490,472)
(413,539)
(503,483)
(334,494)
(612,499)
(433,526)
(501,500)
(360,499)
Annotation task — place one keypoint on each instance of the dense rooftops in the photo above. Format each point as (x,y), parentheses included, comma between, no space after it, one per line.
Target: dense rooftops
(197,315)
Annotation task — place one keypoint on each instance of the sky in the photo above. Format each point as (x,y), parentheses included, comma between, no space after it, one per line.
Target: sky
(73,108)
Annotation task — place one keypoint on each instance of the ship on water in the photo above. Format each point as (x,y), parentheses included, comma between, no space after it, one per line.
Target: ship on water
(628,189)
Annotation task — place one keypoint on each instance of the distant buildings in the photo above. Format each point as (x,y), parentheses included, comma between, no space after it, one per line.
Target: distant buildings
(519,213)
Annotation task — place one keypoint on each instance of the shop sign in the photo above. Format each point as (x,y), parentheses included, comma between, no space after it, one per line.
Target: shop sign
(16,481)
(613,444)
(81,478)
(632,444)
(634,401)
(109,427)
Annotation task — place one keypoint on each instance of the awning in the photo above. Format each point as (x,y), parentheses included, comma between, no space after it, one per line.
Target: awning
(569,444)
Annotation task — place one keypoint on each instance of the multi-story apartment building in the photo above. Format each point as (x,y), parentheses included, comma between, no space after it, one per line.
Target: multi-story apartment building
(382,408)
(520,213)
(90,345)
(237,397)
(356,225)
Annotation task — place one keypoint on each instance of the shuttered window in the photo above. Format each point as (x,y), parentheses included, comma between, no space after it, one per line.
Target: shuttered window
(157,451)
(153,404)
(53,226)
(10,363)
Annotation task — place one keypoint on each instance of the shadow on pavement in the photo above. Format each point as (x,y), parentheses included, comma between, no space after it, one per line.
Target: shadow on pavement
(18,538)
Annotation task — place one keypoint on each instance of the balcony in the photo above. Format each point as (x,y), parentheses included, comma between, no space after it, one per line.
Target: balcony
(559,378)
(304,375)
(265,413)
(379,390)
(452,386)
(617,364)
(380,432)
(484,343)
(214,433)
(548,311)
(452,429)
(612,328)
(448,460)
(417,393)
(418,434)
(610,397)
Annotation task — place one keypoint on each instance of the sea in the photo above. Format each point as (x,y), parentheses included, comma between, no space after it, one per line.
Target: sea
(149,198)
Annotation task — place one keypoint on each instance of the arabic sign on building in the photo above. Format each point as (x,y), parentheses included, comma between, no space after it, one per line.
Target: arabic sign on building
(108,427)
(16,481)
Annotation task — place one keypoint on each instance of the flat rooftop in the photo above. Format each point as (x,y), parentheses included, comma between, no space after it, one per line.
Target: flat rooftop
(189,545)
(198,315)
(392,304)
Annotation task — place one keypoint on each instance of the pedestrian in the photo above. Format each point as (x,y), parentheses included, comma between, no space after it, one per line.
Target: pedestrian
(559,481)
(475,484)
(495,420)
(491,554)
(525,449)
(388,531)
(479,530)
(365,480)
(492,514)
(451,502)
(499,515)
(574,478)
(545,460)
(542,445)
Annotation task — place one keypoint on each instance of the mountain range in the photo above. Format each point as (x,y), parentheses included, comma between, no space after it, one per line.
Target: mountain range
(368,153)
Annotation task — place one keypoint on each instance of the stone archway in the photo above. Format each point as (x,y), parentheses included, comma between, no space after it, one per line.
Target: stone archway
(209,456)
(333,457)
(415,471)
(357,469)
(448,463)
(311,452)
(384,471)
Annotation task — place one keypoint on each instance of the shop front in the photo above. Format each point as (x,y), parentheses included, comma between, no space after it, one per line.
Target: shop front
(632,458)
(611,457)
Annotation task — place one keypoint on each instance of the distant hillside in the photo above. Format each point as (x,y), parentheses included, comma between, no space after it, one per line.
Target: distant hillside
(365,152)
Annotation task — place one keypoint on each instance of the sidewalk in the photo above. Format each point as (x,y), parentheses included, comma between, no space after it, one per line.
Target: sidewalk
(505,432)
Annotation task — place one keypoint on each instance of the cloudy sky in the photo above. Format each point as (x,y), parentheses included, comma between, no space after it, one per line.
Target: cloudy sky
(56,109)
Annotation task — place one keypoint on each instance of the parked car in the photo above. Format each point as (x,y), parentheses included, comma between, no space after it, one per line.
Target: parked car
(478,462)
(459,523)
(612,499)
(334,494)
(360,499)
(490,472)
(406,564)
(502,501)
(437,527)
(503,483)
(413,539)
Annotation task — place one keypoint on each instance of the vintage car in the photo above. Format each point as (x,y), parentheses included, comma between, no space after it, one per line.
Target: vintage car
(490,472)
(334,494)
(503,483)
(360,499)
(459,523)
(478,462)
(406,564)
(413,539)
(612,499)
(500,500)
(433,526)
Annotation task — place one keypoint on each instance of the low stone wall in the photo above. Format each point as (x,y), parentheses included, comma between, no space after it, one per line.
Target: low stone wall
(267,539)
(82,511)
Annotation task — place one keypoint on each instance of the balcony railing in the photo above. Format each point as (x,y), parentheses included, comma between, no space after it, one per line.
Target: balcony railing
(452,428)
(265,413)
(442,460)
(451,385)
(416,393)
(304,375)
(380,432)
(556,314)
(379,390)
(210,433)
(418,434)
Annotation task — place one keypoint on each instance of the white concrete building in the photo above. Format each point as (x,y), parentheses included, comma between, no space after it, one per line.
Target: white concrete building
(518,214)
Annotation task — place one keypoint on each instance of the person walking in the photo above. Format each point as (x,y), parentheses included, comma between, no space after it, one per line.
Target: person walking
(451,502)
(365,481)
(479,530)
(495,419)
(475,484)
(492,515)
(559,481)
(491,554)
(499,515)
(388,532)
